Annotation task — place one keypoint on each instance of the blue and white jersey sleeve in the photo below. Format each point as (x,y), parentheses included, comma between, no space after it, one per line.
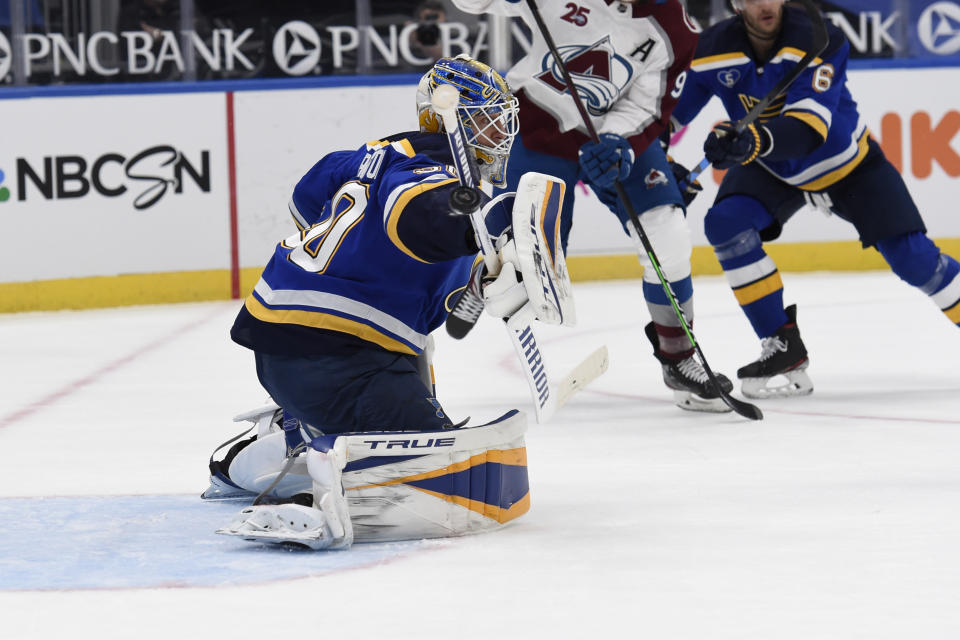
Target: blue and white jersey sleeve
(311,197)
(815,95)
(417,217)
(694,97)
(380,262)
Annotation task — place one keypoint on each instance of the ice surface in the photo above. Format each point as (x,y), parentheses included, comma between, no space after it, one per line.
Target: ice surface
(838,516)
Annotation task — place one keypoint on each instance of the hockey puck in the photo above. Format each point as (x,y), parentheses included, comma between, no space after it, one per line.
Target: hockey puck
(464,200)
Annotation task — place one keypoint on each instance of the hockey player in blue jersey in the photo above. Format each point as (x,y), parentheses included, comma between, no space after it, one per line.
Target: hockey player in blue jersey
(809,147)
(339,324)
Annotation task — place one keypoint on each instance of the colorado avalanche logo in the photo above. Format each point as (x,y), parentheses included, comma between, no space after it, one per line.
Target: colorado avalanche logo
(728,77)
(654,178)
(599,74)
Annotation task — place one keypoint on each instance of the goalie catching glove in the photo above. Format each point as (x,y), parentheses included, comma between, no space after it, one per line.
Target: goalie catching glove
(532,267)
(504,294)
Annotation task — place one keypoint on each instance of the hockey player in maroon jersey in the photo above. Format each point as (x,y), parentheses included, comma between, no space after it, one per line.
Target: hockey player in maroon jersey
(628,60)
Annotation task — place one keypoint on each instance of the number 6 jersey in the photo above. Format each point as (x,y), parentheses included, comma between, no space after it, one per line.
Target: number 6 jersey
(725,66)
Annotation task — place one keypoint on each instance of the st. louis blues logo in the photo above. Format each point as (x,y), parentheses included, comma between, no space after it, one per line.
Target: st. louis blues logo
(728,77)
(599,74)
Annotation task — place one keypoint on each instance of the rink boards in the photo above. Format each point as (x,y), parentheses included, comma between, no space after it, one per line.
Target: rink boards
(179,193)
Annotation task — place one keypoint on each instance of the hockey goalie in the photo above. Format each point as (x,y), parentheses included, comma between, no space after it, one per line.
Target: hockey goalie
(340,322)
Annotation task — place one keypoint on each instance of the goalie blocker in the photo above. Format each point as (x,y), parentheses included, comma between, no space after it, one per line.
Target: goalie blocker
(377,486)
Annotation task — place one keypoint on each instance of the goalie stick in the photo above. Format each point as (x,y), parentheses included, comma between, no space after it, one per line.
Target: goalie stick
(818,44)
(465,200)
(745,409)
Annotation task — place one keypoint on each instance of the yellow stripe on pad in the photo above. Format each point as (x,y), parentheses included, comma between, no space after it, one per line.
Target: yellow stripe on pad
(513,457)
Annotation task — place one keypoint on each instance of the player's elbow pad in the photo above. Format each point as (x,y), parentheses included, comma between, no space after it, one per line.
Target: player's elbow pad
(789,138)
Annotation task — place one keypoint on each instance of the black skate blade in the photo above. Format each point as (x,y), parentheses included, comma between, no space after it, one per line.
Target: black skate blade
(457,328)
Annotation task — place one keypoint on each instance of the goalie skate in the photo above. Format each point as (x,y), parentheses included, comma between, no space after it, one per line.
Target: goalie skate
(780,372)
(322,523)
(692,388)
(293,524)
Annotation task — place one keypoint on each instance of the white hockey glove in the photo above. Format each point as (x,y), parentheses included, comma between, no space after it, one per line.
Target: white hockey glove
(505,294)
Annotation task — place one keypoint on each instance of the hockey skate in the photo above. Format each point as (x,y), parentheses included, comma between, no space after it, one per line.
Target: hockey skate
(692,388)
(780,372)
(466,312)
(316,520)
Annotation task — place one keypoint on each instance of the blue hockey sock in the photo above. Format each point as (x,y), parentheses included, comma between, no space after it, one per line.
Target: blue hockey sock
(944,287)
(731,227)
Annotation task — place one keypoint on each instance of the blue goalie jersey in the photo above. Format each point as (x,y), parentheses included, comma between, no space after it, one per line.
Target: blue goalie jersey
(725,66)
(378,257)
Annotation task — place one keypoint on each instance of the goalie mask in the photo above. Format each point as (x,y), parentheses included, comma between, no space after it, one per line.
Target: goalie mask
(487,111)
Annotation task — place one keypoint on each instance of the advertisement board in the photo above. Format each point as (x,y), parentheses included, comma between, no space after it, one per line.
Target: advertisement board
(114,184)
(139,186)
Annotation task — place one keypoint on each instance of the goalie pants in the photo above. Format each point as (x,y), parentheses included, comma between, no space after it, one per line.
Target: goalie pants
(365,390)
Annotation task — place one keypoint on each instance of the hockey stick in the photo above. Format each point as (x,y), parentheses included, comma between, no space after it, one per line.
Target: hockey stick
(745,409)
(818,43)
(582,375)
(465,200)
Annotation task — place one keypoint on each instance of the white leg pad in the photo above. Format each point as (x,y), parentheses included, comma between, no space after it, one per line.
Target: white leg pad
(387,486)
(259,463)
(437,484)
(667,230)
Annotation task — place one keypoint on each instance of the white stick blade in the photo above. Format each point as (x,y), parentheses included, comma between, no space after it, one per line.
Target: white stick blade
(583,374)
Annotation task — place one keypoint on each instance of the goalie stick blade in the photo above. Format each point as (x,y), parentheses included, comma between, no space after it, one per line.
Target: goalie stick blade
(583,374)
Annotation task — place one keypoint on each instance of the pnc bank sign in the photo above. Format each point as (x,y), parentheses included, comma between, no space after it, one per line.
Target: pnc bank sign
(296,49)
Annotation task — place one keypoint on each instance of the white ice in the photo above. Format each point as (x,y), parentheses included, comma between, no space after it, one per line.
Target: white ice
(837,516)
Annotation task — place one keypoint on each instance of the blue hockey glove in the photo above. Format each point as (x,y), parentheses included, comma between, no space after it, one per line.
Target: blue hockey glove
(680,174)
(608,160)
(726,148)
